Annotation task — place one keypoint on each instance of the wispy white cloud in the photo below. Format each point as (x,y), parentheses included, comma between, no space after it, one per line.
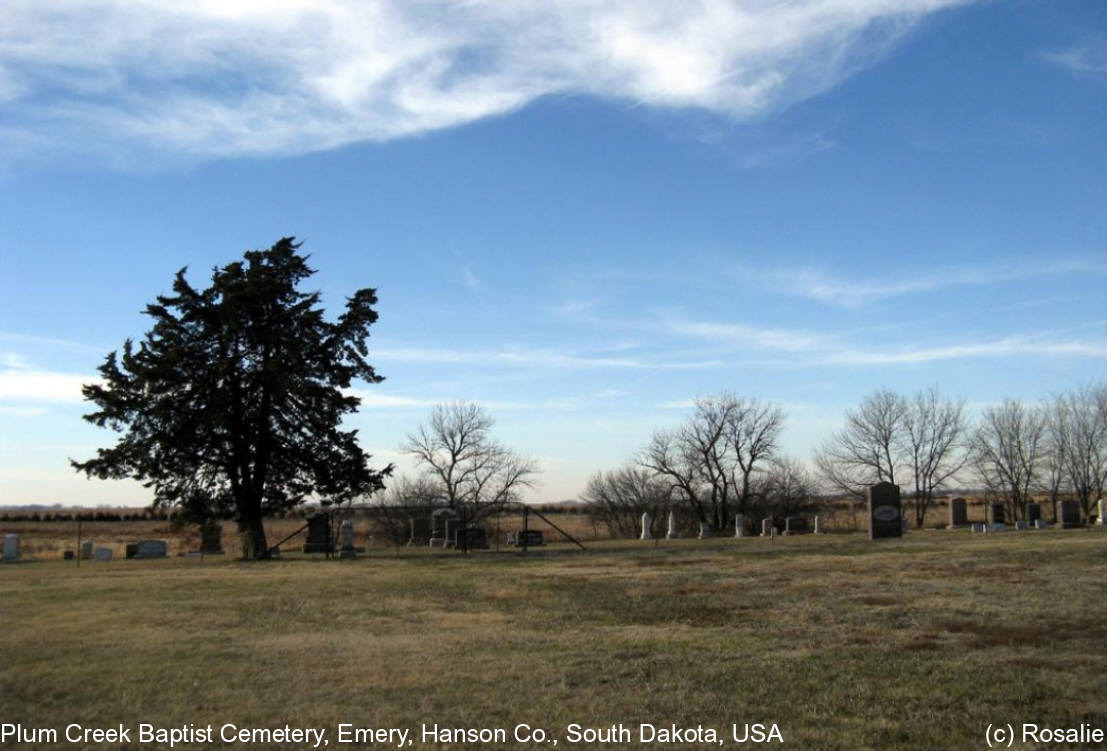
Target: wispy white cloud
(372,400)
(223,78)
(854,292)
(470,279)
(1004,347)
(812,348)
(35,386)
(1089,58)
(22,411)
(534,358)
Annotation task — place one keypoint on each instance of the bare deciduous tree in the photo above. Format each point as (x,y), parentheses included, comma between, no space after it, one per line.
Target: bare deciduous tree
(474,474)
(619,498)
(1084,411)
(711,460)
(934,438)
(1007,452)
(867,450)
(785,488)
(753,433)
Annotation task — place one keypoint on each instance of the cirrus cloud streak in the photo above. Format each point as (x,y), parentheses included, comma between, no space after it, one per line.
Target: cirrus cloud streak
(222,79)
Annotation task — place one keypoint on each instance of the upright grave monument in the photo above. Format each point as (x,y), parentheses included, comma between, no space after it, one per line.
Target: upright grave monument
(11,548)
(885,511)
(796,525)
(346,539)
(647,534)
(211,538)
(671,533)
(319,534)
(1033,512)
(739,525)
(1070,515)
(995,513)
(1101,506)
(958,513)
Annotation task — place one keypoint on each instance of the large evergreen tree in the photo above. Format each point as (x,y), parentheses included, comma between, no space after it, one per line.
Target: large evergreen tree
(231,406)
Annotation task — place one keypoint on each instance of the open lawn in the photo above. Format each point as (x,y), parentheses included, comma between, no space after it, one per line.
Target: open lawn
(918,643)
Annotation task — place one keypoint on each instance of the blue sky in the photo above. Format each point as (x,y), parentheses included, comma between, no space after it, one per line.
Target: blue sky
(581,214)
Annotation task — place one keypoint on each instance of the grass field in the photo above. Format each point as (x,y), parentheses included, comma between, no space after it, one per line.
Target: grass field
(918,643)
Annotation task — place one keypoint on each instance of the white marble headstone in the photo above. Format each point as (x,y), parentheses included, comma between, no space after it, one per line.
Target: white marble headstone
(646,522)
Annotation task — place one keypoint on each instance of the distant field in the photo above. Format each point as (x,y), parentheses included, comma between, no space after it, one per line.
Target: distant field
(918,643)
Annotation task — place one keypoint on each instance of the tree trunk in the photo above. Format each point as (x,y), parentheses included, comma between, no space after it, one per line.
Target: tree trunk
(252,534)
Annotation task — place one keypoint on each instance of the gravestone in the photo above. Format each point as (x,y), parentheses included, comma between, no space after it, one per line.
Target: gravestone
(346,539)
(211,538)
(526,537)
(1022,524)
(739,525)
(795,525)
(978,528)
(86,550)
(420,531)
(151,549)
(1070,515)
(997,527)
(11,548)
(1101,505)
(995,513)
(1033,512)
(101,554)
(472,538)
(1041,524)
(885,511)
(766,526)
(817,531)
(671,533)
(958,513)
(319,534)
(705,530)
(646,522)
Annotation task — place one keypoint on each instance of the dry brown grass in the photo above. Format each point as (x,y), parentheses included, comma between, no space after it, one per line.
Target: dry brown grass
(913,643)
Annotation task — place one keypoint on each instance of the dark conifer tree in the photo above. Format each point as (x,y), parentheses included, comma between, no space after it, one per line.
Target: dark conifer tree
(231,405)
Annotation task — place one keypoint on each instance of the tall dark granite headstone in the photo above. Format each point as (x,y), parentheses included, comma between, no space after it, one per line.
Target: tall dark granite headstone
(995,513)
(796,525)
(1033,512)
(319,534)
(958,513)
(472,538)
(211,538)
(885,511)
(1070,514)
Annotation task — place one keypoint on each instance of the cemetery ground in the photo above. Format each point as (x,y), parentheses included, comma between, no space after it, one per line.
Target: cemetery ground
(842,642)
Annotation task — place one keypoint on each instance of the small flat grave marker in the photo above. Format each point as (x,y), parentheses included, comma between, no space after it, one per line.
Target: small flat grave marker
(151,549)
(101,554)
